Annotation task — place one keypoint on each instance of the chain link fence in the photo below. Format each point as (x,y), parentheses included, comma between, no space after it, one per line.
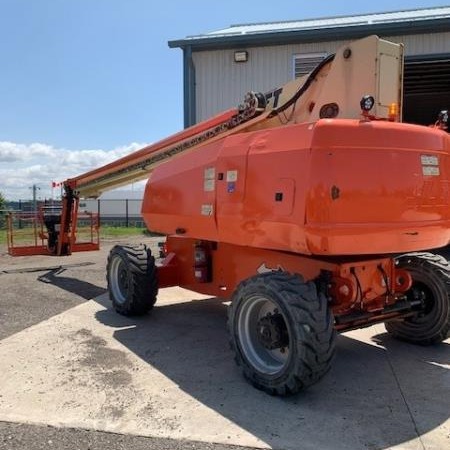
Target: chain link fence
(112,212)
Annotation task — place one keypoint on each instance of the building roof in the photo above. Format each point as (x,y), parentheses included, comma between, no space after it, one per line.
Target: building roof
(274,33)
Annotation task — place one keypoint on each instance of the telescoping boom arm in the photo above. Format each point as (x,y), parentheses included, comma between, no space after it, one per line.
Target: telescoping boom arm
(138,165)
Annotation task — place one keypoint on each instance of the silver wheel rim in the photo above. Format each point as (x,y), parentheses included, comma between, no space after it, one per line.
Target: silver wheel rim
(264,360)
(118,280)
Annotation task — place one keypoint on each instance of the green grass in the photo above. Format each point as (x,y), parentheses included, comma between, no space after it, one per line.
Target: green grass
(2,236)
(106,232)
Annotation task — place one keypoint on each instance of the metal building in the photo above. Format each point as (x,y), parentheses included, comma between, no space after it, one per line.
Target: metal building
(221,66)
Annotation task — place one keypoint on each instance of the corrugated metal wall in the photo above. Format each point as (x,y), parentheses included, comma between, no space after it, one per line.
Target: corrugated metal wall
(221,83)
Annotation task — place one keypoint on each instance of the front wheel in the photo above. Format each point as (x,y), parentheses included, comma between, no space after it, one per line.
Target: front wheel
(281,331)
(132,279)
(431,289)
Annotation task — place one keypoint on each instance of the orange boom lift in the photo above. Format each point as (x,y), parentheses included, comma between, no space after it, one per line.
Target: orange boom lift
(313,207)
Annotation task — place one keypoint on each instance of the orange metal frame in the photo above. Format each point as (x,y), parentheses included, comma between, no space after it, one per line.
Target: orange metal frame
(359,286)
(39,236)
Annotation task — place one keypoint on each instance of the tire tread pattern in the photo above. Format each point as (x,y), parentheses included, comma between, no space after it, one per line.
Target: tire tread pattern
(313,325)
(436,269)
(142,277)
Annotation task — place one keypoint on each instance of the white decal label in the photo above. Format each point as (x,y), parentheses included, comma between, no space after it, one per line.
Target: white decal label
(429,160)
(210,173)
(232,176)
(430,165)
(430,171)
(210,179)
(209,185)
(207,210)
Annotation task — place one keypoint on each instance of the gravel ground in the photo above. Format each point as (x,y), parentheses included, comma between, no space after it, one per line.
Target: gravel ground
(15,436)
(50,285)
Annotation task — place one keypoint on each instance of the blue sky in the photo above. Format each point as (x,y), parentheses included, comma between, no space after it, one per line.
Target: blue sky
(89,80)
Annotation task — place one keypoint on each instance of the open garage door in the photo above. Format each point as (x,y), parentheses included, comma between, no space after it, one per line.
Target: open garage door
(426,88)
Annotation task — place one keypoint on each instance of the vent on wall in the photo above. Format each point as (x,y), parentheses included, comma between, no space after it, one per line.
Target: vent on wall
(427,76)
(304,63)
(426,89)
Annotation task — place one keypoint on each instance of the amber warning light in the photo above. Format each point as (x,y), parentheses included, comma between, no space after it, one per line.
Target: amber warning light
(393,112)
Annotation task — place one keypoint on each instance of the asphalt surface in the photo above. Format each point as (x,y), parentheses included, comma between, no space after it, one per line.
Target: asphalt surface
(33,294)
(59,344)
(14,436)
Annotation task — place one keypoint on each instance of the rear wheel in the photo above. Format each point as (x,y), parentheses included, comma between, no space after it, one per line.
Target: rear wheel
(132,279)
(431,289)
(281,331)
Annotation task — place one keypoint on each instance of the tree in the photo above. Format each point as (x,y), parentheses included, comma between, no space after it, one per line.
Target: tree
(2,210)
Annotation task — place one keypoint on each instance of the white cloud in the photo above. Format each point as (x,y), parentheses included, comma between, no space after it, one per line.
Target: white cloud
(11,152)
(22,166)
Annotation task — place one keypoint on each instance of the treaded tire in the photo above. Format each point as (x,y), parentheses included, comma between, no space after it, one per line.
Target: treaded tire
(132,279)
(431,280)
(309,328)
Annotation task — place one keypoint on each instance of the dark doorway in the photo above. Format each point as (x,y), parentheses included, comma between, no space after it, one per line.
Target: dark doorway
(426,88)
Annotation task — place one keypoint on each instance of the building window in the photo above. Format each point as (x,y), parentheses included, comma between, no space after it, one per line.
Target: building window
(304,63)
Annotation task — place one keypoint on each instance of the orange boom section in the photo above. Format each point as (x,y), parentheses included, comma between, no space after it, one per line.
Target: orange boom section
(334,187)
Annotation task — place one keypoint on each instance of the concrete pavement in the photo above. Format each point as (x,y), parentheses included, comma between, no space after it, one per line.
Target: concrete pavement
(171,374)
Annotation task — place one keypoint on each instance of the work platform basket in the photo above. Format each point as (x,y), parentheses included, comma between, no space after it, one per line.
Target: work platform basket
(40,232)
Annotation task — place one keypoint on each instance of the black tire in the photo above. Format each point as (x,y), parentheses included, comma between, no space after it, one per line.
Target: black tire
(431,284)
(280,310)
(132,279)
